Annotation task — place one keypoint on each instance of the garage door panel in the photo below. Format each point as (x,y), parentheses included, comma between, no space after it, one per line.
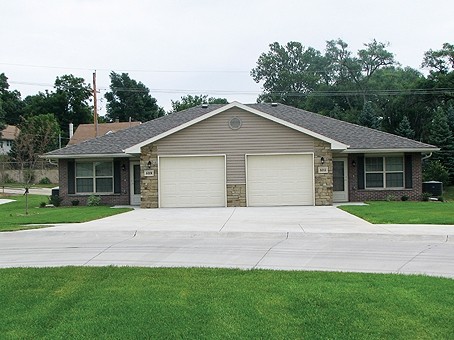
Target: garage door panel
(193,181)
(280,180)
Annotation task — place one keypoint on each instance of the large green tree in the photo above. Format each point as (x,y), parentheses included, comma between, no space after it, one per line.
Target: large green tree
(130,99)
(69,102)
(38,135)
(11,105)
(189,101)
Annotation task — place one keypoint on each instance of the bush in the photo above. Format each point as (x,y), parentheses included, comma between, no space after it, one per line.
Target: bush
(44,180)
(93,201)
(391,198)
(55,200)
(441,199)
(426,196)
(404,198)
(435,171)
(75,202)
(42,205)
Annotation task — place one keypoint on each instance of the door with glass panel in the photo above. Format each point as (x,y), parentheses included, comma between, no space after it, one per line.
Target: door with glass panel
(135,182)
(340,180)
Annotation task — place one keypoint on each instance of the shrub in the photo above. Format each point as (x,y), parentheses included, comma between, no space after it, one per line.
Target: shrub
(42,205)
(55,200)
(75,202)
(93,201)
(390,198)
(44,180)
(404,198)
(441,198)
(435,171)
(426,196)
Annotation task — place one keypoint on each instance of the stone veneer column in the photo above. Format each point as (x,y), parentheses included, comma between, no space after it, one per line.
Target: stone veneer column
(149,184)
(323,182)
(236,195)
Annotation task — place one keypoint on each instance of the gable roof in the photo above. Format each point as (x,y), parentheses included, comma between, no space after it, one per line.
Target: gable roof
(342,136)
(87,131)
(10,132)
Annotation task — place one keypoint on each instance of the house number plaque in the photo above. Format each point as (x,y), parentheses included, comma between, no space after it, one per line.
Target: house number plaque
(148,173)
(322,169)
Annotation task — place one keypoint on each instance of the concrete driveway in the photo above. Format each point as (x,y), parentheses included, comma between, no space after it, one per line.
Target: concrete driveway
(296,238)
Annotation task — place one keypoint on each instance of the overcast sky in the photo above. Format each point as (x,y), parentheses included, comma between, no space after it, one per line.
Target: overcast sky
(178,47)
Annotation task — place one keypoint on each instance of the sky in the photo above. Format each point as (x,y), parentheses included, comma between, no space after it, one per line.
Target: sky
(178,47)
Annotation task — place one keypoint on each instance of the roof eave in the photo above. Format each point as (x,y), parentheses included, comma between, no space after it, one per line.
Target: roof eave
(399,150)
(79,156)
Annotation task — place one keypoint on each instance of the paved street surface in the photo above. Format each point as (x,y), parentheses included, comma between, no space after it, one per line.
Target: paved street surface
(294,238)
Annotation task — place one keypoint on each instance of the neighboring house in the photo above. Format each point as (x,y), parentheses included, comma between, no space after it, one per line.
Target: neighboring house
(241,155)
(88,131)
(7,137)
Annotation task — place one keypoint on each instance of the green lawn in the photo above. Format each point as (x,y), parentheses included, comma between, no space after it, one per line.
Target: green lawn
(448,193)
(13,217)
(159,303)
(383,212)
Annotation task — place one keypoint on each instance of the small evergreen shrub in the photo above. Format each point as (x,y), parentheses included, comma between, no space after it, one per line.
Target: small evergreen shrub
(426,196)
(404,198)
(44,180)
(93,201)
(42,205)
(75,203)
(55,200)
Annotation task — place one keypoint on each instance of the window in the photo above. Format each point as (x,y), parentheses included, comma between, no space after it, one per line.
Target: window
(384,172)
(94,177)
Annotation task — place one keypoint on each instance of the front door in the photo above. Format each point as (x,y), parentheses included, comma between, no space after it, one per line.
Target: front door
(134,171)
(340,180)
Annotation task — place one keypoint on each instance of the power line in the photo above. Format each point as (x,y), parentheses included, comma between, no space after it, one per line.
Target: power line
(123,70)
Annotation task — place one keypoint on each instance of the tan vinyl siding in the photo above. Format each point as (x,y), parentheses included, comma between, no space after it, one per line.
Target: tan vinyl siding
(256,135)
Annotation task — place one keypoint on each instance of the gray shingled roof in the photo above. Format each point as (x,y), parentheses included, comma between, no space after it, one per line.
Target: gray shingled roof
(357,137)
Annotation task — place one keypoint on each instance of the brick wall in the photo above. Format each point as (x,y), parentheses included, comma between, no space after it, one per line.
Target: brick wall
(361,195)
(122,198)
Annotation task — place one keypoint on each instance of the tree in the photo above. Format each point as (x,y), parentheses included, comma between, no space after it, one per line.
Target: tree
(38,135)
(441,136)
(72,97)
(434,170)
(189,101)
(70,102)
(11,105)
(130,99)
(368,116)
(289,72)
(405,129)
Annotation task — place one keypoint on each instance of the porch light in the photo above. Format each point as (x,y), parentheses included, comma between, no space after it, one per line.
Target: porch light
(149,164)
(123,167)
(354,163)
(322,160)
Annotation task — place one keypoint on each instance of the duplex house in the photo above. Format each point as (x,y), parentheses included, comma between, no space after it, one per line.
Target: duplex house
(241,155)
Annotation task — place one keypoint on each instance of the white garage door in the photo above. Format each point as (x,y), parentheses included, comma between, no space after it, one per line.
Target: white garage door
(280,180)
(192,181)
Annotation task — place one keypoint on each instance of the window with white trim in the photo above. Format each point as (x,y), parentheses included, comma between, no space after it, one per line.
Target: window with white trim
(384,172)
(94,177)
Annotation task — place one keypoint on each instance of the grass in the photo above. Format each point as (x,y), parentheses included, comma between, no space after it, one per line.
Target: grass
(159,303)
(383,212)
(13,217)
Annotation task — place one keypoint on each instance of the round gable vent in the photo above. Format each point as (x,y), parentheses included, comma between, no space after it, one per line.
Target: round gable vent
(235,123)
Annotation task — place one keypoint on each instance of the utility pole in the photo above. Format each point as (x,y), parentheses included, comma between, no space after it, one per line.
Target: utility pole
(95,105)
